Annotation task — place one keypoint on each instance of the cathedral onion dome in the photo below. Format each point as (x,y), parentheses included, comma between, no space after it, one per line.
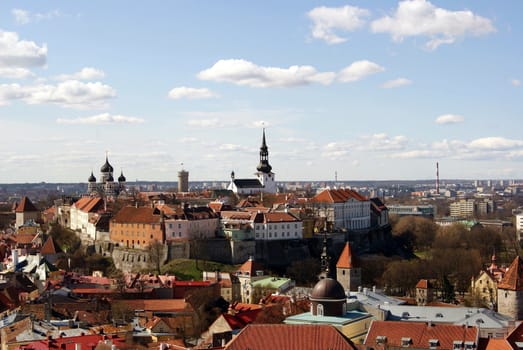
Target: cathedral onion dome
(91,178)
(110,178)
(328,289)
(106,168)
(121,178)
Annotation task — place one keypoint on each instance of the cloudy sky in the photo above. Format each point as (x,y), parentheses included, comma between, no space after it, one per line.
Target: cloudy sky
(368,90)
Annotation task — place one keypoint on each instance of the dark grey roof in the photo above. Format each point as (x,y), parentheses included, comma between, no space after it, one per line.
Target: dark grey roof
(248,183)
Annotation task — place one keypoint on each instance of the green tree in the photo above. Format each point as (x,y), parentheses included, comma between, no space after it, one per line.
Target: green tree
(157,255)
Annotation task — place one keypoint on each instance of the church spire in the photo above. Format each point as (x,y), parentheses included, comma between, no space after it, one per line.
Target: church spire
(325,259)
(264,166)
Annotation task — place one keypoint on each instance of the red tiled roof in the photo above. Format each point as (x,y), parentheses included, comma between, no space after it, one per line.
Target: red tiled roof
(140,215)
(241,319)
(89,204)
(251,267)
(158,304)
(274,217)
(338,196)
(289,337)
(513,279)
(49,247)
(345,259)
(25,205)
(494,344)
(419,333)
(424,284)
(25,238)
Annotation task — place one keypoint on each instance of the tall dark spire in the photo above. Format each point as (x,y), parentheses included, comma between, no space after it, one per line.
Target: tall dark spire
(264,166)
(325,259)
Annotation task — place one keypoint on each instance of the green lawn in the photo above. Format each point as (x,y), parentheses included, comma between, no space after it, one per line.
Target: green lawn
(189,269)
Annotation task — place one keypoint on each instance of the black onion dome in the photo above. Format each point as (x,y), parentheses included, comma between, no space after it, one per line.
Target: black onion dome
(91,178)
(106,168)
(110,178)
(121,178)
(328,288)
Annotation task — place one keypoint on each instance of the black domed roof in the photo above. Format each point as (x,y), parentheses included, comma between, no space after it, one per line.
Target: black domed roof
(328,288)
(110,178)
(91,178)
(106,168)
(121,178)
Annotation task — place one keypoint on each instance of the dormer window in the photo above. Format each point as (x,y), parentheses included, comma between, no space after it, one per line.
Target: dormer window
(457,344)
(381,339)
(439,315)
(433,343)
(469,345)
(405,315)
(406,341)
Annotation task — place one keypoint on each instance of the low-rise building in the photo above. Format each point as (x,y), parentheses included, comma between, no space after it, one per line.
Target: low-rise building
(135,227)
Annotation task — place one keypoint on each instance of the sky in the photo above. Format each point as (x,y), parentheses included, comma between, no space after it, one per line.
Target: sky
(357,90)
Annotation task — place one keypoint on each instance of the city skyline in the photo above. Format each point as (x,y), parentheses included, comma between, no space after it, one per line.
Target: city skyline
(366,91)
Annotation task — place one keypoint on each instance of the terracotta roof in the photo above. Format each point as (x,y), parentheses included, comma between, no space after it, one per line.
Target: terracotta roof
(338,196)
(241,319)
(250,267)
(420,334)
(289,337)
(89,204)
(158,304)
(49,247)
(424,284)
(140,215)
(25,205)
(274,217)
(513,279)
(345,259)
(494,344)
(25,238)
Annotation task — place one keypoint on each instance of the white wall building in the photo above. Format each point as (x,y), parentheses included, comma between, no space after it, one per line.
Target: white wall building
(277,226)
(343,209)
(83,210)
(193,223)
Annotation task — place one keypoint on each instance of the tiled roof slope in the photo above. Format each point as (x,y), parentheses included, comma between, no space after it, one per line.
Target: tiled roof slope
(142,215)
(420,333)
(289,337)
(345,259)
(49,247)
(338,196)
(25,206)
(513,279)
(89,204)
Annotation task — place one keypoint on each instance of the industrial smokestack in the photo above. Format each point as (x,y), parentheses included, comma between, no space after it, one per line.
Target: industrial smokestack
(437,177)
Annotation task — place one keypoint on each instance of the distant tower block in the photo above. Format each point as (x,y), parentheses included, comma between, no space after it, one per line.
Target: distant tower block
(183,181)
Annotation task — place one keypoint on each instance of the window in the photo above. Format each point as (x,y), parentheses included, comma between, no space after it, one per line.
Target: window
(406,341)
(319,310)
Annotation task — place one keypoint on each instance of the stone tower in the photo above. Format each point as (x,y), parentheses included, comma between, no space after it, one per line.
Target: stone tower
(510,291)
(183,181)
(265,174)
(346,272)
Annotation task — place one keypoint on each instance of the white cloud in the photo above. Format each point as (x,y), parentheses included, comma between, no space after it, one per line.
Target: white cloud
(16,53)
(25,17)
(515,82)
(495,144)
(86,73)
(336,150)
(382,142)
(449,119)
(70,93)
(104,118)
(15,73)
(441,26)
(21,16)
(327,20)
(395,83)
(232,147)
(359,70)
(191,93)
(242,72)
(205,123)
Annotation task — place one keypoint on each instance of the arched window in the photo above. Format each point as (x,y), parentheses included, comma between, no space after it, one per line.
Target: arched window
(319,310)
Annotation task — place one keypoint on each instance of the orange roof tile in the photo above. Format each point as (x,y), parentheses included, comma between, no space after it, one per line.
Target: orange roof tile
(289,337)
(338,196)
(139,215)
(345,259)
(49,247)
(513,279)
(25,205)
(250,267)
(424,284)
(89,204)
(419,333)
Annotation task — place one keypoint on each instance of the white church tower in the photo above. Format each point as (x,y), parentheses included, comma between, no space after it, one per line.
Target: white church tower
(264,174)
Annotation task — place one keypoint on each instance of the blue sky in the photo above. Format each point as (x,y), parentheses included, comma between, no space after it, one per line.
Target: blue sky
(368,90)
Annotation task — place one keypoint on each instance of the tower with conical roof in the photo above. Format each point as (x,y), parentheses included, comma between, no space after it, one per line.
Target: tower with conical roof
(510,291)
(346,272)
(265,174)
